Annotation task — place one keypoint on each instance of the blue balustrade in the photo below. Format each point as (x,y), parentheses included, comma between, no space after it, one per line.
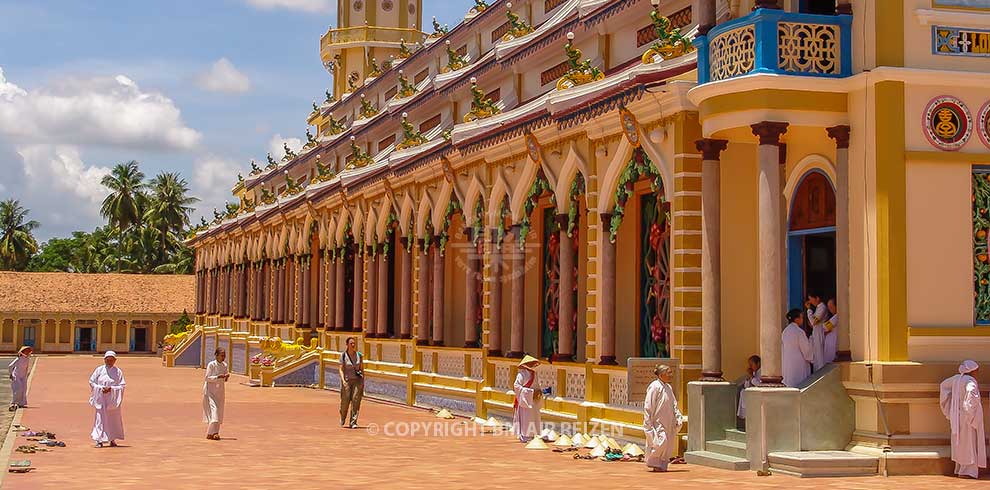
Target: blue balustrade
(774,41)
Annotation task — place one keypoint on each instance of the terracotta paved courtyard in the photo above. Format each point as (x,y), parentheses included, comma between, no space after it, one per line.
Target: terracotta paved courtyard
(288,437)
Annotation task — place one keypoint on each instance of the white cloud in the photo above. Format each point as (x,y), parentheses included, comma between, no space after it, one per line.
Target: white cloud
(111,111)
(213,177)
(301,5)
(275,146)
(224,77)
(48,171)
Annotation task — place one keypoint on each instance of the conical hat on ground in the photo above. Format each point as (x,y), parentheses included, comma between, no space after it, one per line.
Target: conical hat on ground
(444,414)
(592,443)
(603,438)
(551,435)
(633,450)
(537,443)
(544,432)
(563,441)
(612,444)
(598,451)
(578,439)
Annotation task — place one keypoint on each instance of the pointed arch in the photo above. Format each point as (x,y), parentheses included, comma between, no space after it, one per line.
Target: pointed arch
(406,214)
(573,165)
(473,195)
(500,190)
(423,215)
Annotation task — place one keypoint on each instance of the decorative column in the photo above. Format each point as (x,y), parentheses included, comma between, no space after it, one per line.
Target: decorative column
(382,305)
(425,302)
(770,266)
(321,292)
(372,304)
(517,296)
(357,317)
(711,272)
(606,335)
(841,136)
(438,280)
(495,308)
(340,290)
(305,292)
(405,291)
(331,290)
(280,292)
(471,263)
(565,302)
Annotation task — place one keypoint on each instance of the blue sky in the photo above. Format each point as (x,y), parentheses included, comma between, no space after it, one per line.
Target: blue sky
(194,86)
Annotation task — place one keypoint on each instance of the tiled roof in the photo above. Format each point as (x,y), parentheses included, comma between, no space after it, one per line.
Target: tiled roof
(63,292)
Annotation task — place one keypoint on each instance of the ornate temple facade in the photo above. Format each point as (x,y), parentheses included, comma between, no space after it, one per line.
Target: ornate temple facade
(608,183)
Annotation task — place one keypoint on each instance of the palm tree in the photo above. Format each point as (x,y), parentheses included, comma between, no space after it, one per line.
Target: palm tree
(168,209)
(123,207)
(17,244)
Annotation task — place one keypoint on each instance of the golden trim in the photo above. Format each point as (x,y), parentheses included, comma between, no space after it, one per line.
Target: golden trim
(974,331)
(776,99)
(948,157)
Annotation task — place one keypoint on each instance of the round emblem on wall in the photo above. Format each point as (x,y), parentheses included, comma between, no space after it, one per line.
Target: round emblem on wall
(948,123)
(533,147)
(984,124)
(387,5)
(358,5)
(412,8)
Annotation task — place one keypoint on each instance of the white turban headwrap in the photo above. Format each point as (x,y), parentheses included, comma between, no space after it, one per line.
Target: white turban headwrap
(958,385)
(110,353)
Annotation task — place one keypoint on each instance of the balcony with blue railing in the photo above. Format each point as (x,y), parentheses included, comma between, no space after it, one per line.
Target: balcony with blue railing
(778,42)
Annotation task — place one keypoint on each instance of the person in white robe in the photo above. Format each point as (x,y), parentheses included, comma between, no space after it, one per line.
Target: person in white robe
(106,396)
(526,422)
(796,352)
(19,369)
(831,332)
(817,315)
(752,379)
(661,419)
(961,404)
(213,394)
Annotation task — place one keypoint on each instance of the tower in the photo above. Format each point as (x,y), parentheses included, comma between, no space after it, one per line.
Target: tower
(368,29)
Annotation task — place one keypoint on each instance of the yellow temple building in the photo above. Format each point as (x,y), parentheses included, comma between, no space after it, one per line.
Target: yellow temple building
(609,184)
(61,312)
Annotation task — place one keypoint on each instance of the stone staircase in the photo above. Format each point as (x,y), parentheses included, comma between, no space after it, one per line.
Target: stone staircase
(728,453)
(806,464)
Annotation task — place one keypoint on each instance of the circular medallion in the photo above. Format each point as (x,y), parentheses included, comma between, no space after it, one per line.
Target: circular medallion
(358,5)
(533,147)
(412,8)
(387,5)
(630,126)
(984,124)
(948,124)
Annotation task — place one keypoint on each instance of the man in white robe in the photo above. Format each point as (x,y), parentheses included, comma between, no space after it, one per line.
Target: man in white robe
(526,422)
(661,419)
(19,370)
(752,379)
(796,352)
(831,332)
(961,404)
(817,315)
(213,394)
(106,396)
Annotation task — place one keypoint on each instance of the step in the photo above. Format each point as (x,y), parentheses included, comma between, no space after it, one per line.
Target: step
(735,435)
(716,460)
(806,464)
(729,448)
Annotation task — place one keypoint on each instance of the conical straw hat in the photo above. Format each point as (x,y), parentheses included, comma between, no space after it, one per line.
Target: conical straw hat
(537,443)
(551,435)
(492,422)
(603,438)
(479,420)
(578,439)
(529,360)
(598,451)
(633,450)
(613,445)
(592,443)
(563,441)
(444,414)
(626,447)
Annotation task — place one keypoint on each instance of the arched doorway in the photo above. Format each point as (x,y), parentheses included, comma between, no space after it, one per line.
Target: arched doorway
(811,240)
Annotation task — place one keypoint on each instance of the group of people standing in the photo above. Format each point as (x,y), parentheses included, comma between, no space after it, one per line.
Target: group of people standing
(661,418)
(810,340)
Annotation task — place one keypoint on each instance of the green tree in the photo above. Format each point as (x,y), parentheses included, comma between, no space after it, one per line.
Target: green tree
(57,255)
(17,244)
(123,208)
(169,206)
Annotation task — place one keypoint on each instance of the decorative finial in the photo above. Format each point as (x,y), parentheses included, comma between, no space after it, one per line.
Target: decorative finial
(352,138)
(405,115)
(570,35)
